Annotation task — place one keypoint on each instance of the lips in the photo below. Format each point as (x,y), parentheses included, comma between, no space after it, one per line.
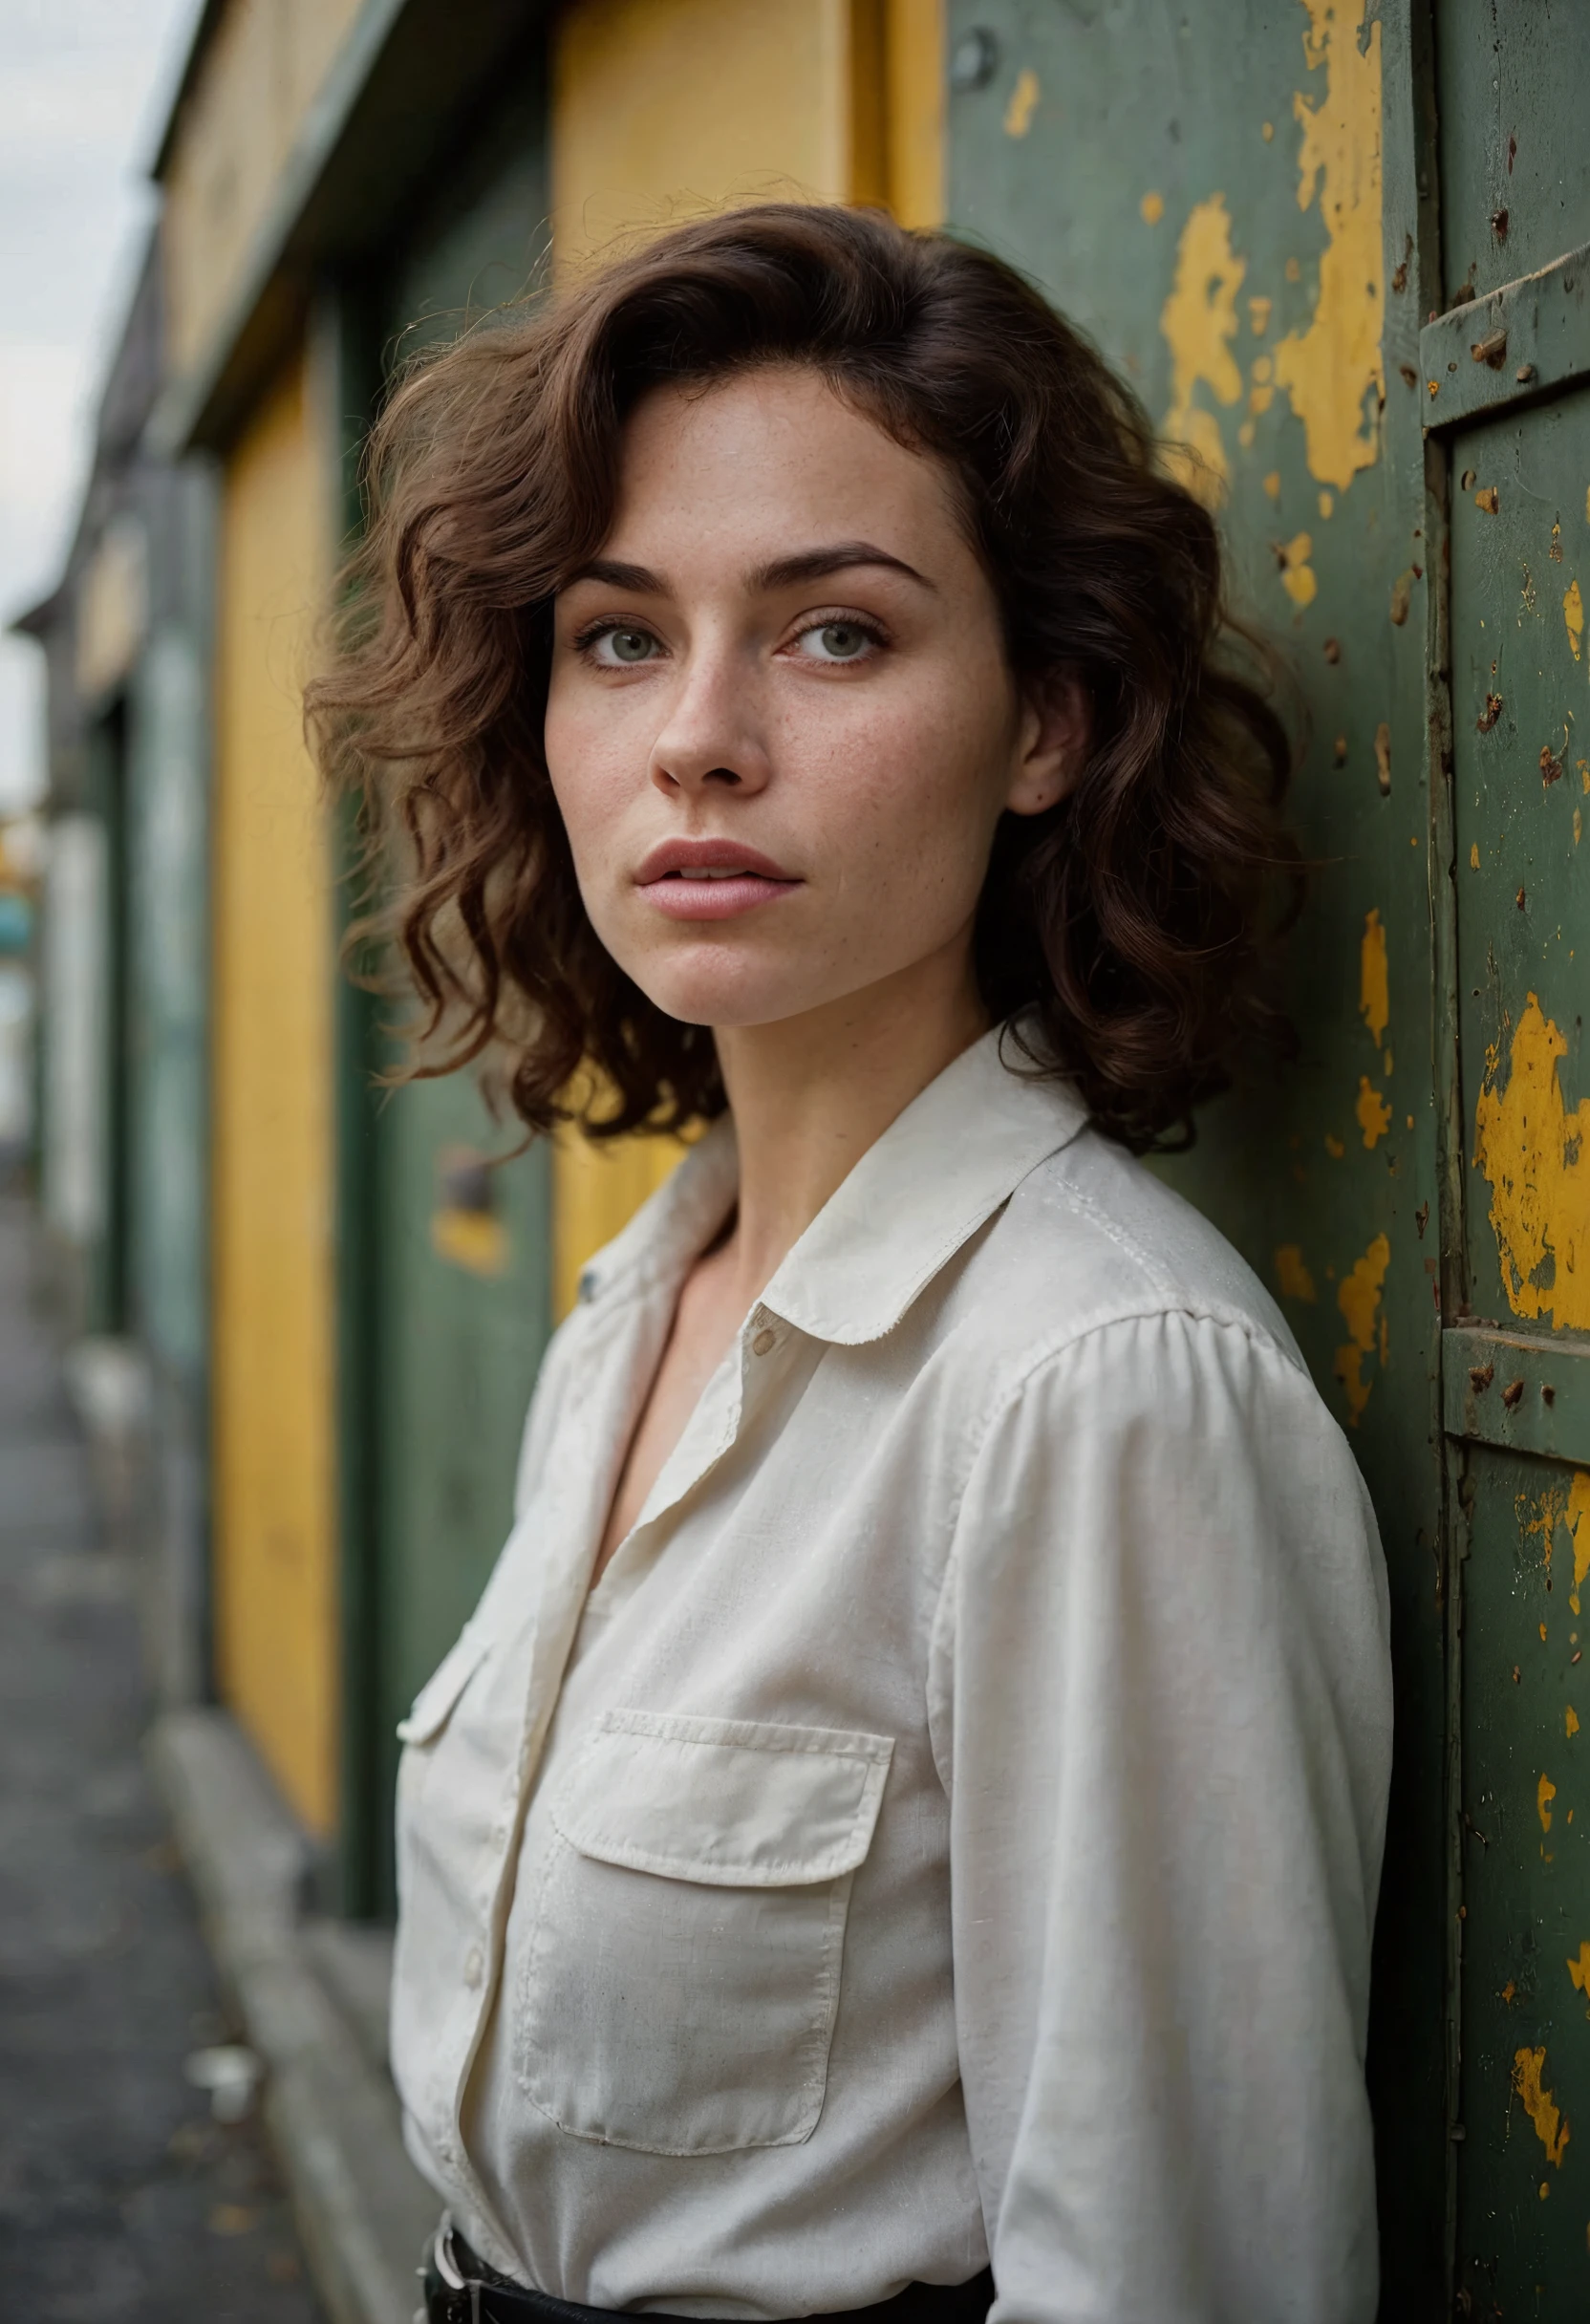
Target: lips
(710,880)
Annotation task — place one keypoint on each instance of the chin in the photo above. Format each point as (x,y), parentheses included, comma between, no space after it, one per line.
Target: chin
(707,984)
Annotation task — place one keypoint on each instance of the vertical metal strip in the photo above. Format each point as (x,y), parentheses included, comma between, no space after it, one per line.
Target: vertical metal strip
(1447,1086)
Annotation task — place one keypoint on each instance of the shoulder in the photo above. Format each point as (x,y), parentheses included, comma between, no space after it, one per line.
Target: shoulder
(1090,1243)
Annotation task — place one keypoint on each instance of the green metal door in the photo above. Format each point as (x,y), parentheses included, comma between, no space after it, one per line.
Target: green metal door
(456,1302)
(1505,375)
(1226,195)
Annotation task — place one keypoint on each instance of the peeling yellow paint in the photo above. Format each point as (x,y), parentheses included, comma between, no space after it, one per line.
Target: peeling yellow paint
(1298,577)
(1527,2068)
(1024,99)
(1374,977)
(1334,1147)
(1199,321)
(1152,208)
(1534,1154)
(1576,1517)
(1545,1792)
(1570,1728)
(1333,371)
(1473,856)
(1272,484)
(1326,504)
(1374,1114)
(1258,315)
(1580,1971)
(1573,617)
(1292,1273)
(1359,1299)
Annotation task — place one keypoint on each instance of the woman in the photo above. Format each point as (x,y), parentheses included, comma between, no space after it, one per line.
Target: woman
(911,1796)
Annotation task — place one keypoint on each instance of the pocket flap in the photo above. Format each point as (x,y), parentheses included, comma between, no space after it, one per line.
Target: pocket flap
(738,1804)
(434,1704)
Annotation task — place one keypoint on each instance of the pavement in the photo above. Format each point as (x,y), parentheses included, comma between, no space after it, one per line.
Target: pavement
(123,2200)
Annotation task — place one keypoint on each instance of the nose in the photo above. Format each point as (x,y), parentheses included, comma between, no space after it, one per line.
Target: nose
(711,734)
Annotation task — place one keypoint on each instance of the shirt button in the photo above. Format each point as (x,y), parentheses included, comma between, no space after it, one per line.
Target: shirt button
(763,1341)
(474,1967)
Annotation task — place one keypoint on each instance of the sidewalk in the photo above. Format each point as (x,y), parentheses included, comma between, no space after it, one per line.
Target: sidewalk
(122,2199)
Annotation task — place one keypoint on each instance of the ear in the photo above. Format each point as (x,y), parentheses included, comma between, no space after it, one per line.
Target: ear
(1056,736)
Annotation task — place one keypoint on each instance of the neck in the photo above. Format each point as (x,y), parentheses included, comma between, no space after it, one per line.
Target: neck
(810,1094)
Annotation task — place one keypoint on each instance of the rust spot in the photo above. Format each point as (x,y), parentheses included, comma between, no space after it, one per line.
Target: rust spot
(1383,759)
(1434,387)
(1421,1218)
(1548,1395)
(1515,1675)
(1410,376)
(1492,350)
(1402,591)
(1551,768)
(1512,150)
(1489,716)
(1518,899)
(1489,499)
(1339,750)
(1498,225)
(1333,649)
(1480,1376)
(1511,1393)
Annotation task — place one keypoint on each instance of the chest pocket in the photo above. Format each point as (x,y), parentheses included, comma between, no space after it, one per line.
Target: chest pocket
(679,1989)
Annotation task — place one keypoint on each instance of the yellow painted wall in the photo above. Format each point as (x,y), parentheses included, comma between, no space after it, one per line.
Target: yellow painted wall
(662,109)
(266,62)
(274,1414)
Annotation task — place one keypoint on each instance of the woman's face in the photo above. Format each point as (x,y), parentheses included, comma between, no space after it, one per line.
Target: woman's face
(781,725)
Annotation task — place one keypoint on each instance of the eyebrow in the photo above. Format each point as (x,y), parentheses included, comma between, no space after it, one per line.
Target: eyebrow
(783,572)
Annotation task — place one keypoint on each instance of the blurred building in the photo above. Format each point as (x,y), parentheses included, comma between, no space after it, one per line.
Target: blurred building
(1340,261)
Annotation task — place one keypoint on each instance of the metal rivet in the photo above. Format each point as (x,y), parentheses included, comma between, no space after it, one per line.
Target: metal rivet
(973,61)
(763,1341)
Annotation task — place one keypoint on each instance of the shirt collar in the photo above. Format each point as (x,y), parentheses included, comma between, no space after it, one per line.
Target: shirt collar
(937,1174)
(939,1170)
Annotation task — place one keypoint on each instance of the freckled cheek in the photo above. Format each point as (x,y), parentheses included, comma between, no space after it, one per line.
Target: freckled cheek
(906,800)
(597,765)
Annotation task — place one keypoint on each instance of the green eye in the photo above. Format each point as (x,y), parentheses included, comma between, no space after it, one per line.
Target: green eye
(841,640)
(630,645)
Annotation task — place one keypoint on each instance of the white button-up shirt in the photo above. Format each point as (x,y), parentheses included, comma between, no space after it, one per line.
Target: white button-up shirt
(949,1829)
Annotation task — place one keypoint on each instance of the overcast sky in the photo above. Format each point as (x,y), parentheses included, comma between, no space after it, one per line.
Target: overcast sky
(83,85)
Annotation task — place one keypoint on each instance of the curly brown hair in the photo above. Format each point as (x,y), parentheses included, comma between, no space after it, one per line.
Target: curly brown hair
(1131,920)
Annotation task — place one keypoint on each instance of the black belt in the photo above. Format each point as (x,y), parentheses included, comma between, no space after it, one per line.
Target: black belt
(461,2288)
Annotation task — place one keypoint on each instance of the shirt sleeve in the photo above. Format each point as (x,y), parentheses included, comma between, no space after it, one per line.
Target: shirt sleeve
(1162,1708)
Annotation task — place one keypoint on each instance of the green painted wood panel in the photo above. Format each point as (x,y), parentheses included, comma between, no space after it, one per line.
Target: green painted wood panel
(447,1273)
(1525,2182)
(1234,197)
(1510,405)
